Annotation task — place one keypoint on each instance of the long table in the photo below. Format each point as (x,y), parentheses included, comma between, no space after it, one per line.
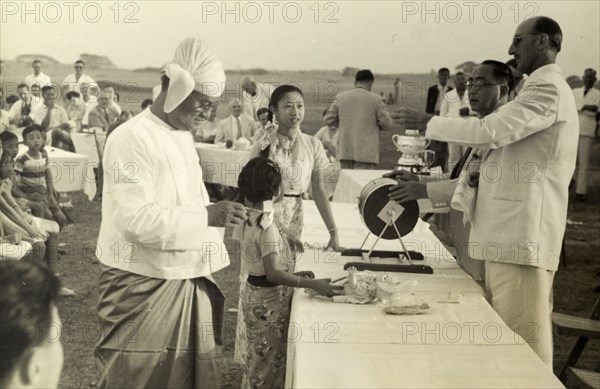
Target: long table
(71,171)
(464,345)
(221,165)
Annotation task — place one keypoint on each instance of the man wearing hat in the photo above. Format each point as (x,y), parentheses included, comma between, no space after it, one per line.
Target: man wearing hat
(160,309)
(359,115)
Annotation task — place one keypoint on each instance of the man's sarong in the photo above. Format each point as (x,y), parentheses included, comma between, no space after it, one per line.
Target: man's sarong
(158,333)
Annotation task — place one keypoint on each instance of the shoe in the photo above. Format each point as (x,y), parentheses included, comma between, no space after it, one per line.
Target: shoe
(64,291)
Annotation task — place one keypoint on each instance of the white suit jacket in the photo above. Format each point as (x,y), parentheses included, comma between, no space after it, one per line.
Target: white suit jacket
(226,130)
(521,207)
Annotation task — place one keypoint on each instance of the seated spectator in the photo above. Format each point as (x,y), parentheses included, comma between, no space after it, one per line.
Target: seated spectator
(41,233)
(21,109)
(4,121)
(36,97)
(125,116)
(236,125)
(53,119)
(76,108)
(207,131)
(90,99)
(114,98)
(10,101)
(329,136)
(37,77)
(30,343)
(10,145)
(263,123)
(34,178)
(104,114)
(390,99)
(74,81)
(146,103)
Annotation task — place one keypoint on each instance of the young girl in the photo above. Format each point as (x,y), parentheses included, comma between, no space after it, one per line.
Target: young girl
(268,262)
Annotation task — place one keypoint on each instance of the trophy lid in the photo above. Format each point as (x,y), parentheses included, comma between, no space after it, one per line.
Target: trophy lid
(411,132)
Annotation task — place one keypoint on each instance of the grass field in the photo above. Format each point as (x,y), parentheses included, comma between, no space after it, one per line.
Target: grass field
(573,288)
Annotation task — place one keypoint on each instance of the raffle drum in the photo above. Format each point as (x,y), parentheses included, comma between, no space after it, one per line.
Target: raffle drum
(386,219)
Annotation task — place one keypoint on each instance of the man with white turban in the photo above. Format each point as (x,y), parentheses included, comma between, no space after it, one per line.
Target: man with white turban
(255,96)
(160,309)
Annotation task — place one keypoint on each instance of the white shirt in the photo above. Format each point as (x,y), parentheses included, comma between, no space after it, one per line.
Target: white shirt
(259,100)
(154,217)
(41,79)
(452,104)
(4,123)
(587,119)
(73,84)
(15,111)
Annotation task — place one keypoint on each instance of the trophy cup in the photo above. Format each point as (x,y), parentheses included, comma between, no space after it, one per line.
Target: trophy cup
(414,157)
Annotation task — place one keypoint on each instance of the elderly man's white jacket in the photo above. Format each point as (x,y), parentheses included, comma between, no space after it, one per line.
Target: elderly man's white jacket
(154,217)
(521,207)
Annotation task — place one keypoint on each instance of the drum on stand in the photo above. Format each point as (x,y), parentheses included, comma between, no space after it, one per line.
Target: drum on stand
(376,208)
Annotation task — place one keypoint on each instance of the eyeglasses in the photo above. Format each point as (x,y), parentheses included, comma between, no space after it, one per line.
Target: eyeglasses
(206,107)
(517,39)
(78,67)
(478,84)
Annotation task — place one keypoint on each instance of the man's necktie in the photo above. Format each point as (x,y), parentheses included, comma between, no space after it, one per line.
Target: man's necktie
(239,128)
(46,122)
(106,116)
(460,164)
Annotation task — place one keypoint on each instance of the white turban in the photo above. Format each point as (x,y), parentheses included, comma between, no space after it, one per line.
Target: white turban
(195,67)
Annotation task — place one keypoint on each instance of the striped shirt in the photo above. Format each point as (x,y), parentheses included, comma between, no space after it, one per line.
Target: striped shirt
(31,170)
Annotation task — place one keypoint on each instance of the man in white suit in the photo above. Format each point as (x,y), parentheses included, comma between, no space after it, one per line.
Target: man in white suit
(520,214)
(440,189)
(236,125)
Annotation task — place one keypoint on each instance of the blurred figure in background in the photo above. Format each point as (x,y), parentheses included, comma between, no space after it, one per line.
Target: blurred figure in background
(207,130)
(37,77)
(587,100)
(104,114)
(30,340)
(254,96)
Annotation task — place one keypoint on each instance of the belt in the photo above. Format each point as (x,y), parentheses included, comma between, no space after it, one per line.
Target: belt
(291,195)
(261,281)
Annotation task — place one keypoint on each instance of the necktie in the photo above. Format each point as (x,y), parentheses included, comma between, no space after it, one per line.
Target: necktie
(46,122)
(460,164)
(106,116)
(239,128)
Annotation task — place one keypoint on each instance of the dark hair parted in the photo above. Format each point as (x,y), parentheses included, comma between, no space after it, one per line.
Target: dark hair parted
(501,72)
(278,94)
(259,180)
(27,294)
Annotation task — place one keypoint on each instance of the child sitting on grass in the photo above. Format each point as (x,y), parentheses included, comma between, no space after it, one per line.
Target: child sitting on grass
(41,233)
(10,145)
(33,176)
(269,263)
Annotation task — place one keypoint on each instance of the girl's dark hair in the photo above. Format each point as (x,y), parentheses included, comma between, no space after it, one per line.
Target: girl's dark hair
(259,180)
(278,94)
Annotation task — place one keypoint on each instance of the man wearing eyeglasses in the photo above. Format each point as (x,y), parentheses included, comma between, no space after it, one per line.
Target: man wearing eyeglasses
(74,81)
(160,309)
(521,205)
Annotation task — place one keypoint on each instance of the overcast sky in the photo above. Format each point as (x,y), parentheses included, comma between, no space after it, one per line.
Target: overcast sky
(385,36)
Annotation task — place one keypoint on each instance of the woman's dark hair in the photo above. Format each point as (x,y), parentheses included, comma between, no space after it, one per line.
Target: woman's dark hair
(259,180)
(278,94)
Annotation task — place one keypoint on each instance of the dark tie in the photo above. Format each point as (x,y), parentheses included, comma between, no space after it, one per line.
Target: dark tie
(106,116)
(46,122)
(460,164)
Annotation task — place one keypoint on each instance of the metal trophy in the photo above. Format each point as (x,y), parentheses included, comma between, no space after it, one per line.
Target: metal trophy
(414,157)
(386,219)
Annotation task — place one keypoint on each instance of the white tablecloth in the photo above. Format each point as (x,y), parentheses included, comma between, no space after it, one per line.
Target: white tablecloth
(463,345)
(71,172)
(85,144)
(221,165)
(351,183)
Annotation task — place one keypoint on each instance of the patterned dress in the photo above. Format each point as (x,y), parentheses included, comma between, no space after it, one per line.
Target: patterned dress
(298,157)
